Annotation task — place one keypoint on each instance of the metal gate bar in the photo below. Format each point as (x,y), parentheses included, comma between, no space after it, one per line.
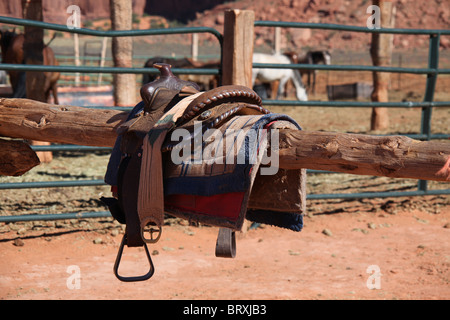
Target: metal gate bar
(432,72)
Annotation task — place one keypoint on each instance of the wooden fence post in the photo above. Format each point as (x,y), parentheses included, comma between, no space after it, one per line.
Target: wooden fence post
(76,49)
(277,40)
(33,48)
(122,49)
(381,53)
(237,55)
(194,46)
(102,59)
(238,47)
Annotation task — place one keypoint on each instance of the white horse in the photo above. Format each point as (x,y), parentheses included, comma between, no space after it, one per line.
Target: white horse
(283,75)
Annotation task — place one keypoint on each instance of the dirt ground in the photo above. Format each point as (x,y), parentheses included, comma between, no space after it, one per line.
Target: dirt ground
(410,249)
(405,239)
(397,246)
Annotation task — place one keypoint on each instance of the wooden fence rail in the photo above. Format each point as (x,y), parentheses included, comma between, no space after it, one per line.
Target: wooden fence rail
(390,156)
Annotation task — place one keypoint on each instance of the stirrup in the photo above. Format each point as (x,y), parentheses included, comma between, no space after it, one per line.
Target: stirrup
(226,243)
(146,276)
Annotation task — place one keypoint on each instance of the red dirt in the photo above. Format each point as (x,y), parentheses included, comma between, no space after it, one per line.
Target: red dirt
(406,239)
(409,247)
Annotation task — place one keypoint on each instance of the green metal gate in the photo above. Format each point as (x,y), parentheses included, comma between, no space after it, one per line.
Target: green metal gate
(427,104)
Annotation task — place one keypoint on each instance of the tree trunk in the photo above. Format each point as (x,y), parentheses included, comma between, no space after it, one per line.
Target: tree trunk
(33,47)
(381,53)
(122,49)
(393,156)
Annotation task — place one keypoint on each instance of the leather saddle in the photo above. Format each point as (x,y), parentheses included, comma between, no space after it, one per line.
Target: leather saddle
(149,127)
(149,184)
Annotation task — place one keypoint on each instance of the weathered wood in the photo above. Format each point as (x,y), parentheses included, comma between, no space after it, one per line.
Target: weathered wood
(76,49)
(102,59)
(237,55)
(194,46)
(34,120)
(16,158)
(33,49)
(381,53)
(277,40)
(122,50)
(390,156)
(238,47)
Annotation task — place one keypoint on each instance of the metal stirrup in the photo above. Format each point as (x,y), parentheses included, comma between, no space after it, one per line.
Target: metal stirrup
(226,243)
(146,276)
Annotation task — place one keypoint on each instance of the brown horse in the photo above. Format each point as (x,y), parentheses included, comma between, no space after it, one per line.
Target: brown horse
(12,52)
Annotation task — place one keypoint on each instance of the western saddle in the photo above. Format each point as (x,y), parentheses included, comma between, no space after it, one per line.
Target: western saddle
(149,183)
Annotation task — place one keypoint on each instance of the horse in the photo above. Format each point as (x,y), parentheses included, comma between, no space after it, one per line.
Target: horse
(311,57)
(281,75)
(12,52)
(206,82)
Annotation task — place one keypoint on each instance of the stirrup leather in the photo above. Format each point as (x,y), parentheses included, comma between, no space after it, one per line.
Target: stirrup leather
(226,243)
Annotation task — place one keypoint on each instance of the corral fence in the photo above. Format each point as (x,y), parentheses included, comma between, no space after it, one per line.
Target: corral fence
(427,105)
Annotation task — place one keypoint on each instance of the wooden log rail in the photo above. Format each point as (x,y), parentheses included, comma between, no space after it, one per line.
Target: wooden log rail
(390,156)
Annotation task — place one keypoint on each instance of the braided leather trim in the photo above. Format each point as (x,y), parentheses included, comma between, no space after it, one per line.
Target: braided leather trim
(223,94)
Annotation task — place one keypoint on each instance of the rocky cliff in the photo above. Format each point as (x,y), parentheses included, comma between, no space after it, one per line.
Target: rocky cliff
(431,14)
(55,11)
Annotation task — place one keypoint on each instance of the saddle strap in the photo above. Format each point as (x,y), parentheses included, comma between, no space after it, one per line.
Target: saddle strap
(226,243)
(151,190)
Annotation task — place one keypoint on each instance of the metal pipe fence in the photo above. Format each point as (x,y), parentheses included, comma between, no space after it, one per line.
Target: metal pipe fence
(111,33)
(432,72)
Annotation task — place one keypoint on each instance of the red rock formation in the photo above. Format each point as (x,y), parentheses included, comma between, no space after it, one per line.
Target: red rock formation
(55,11)
(432,14)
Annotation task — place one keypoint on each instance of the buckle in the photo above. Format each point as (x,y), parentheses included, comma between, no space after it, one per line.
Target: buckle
(151,229)
(146,276)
